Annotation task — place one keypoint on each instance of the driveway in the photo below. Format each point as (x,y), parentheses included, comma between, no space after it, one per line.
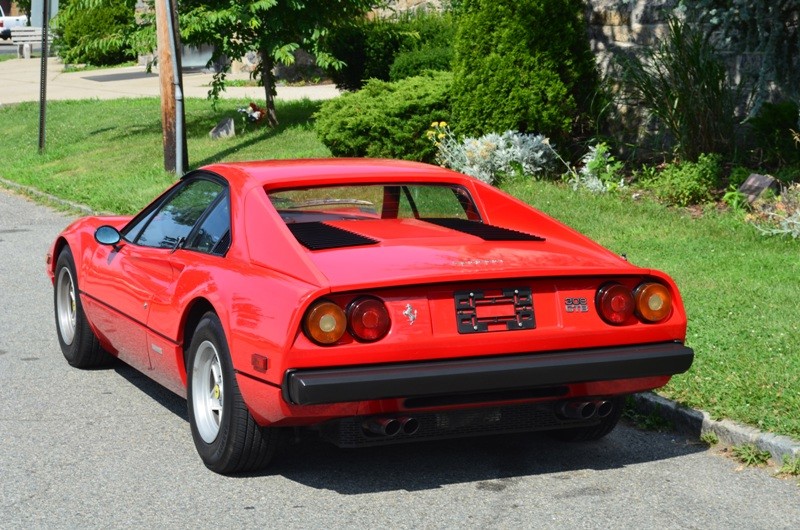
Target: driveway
(108,448)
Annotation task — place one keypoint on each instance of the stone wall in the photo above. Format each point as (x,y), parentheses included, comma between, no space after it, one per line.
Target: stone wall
(626,26)
(401,6)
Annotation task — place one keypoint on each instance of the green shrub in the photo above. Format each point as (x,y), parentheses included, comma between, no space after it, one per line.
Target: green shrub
(772,130)
(523,65)
(434,29)
(414,62)
(738,175)
(682,184)
(386,120)
(369,48)
(95,34)
(682,82)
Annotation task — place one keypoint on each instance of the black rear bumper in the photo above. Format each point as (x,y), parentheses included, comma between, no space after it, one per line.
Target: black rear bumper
(486,374)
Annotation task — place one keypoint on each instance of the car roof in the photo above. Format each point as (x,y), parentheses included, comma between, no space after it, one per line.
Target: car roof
(331,171)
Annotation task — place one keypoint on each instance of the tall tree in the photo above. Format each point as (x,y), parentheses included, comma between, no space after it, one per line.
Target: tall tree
(273,28)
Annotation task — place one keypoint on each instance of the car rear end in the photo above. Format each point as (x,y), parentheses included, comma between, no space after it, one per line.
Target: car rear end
(434,327)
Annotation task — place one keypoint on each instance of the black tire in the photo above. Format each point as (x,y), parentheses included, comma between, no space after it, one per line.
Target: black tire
(78,342)
(595,432)
(225,434)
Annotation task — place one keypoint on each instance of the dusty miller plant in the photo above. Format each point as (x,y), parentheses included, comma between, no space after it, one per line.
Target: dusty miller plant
(492,156)
(779,216)
(599,172)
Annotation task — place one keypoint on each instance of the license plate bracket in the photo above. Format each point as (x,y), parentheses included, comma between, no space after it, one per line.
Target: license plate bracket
(508,309)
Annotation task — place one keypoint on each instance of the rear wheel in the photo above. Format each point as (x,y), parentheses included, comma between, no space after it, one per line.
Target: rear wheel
(76,338)
(225,434)
(595,432)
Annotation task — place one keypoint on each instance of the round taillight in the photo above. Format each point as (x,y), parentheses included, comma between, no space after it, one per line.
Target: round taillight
(368,319)
(325,322)
(615,303)
(653,302)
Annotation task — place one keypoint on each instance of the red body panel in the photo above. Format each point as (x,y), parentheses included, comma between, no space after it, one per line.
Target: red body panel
(138,299)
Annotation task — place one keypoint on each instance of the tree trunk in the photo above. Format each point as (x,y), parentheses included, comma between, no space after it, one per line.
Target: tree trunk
(267,63)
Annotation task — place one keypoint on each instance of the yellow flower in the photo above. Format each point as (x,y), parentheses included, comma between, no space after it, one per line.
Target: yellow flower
(441,135)
(442,124)
(434,124)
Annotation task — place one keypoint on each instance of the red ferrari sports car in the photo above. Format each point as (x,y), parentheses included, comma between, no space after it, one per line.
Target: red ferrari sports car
(373,301)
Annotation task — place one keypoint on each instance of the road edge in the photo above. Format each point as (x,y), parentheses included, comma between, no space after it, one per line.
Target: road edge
(46,198)
(698,422)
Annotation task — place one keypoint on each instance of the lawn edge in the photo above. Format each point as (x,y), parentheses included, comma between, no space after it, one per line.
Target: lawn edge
(698,422)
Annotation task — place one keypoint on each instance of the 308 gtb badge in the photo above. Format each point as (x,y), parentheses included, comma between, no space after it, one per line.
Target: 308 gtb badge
(576,305)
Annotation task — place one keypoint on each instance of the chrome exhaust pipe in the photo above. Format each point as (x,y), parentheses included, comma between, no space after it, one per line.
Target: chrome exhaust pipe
(604,408)
(409,426)
(382,426)
(578,410)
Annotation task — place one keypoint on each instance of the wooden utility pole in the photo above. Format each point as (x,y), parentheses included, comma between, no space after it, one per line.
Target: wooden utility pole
(171,87)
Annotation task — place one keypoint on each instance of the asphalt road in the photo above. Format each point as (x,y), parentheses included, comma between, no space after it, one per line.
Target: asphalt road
(108,448)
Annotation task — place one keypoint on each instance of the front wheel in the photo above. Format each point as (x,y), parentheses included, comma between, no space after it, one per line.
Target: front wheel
(76,338)
(225,434)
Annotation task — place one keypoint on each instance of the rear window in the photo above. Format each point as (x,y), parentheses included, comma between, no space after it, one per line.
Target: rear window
(394,201)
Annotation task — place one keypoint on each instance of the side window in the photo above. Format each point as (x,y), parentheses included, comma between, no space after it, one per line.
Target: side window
(176,217)
(210,236)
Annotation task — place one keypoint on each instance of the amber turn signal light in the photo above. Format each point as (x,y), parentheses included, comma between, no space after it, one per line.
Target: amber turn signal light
(653,302)
(325,322)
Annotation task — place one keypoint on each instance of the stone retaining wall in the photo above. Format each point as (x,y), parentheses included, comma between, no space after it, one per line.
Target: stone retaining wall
(626,26)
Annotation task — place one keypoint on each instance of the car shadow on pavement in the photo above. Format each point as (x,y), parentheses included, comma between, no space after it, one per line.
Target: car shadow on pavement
(169,400)
(493,463)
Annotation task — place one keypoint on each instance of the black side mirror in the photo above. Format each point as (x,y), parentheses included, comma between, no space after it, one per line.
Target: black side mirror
(107,235)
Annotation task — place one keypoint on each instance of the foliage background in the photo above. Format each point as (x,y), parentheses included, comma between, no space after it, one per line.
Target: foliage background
(524,66)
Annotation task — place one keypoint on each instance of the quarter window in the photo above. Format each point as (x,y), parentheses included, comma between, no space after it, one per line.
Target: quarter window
(210,236)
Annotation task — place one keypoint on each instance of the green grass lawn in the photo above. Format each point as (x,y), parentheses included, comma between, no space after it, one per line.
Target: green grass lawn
(741,290)
(108,155)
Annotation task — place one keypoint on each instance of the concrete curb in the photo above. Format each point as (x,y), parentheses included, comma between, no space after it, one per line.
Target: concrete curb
(47,198)
(697,422)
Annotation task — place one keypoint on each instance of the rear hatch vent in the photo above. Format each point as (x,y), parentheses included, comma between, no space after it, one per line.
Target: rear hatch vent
(481,230)
(320,236)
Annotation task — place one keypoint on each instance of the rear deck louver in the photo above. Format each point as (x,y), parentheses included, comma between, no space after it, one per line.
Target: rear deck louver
(320,236)
(481,230)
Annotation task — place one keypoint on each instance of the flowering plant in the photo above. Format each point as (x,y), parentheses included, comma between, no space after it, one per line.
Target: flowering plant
(252,113)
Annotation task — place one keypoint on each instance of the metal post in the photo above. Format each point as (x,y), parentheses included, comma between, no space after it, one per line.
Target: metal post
(43,80)
(176,76)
